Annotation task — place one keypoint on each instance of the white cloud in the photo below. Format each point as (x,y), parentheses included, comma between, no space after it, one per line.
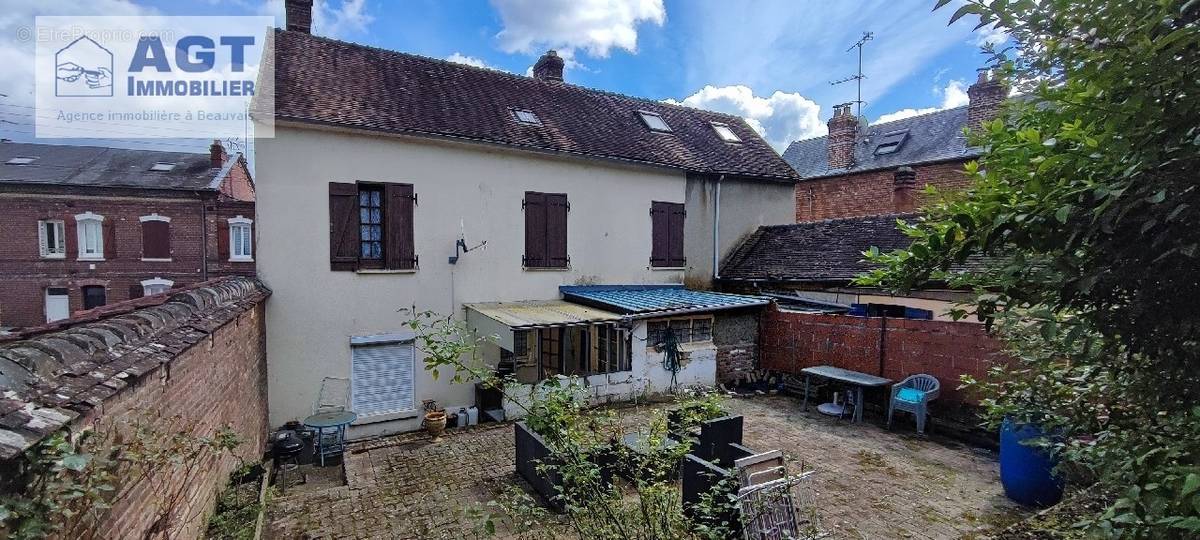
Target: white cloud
(460,58)
(349,17)
(989,35)
(595,26)
(953,95)
(781,118)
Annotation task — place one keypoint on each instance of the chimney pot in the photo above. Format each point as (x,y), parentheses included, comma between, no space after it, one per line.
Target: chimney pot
(549,67)
(216,154)
(904,197)
(298,15)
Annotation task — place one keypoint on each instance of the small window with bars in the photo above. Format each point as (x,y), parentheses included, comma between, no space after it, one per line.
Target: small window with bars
(682,329)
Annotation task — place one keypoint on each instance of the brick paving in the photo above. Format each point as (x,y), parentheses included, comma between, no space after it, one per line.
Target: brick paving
(869,483)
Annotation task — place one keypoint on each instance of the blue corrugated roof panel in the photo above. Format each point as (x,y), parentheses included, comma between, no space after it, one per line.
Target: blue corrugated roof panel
(641,299)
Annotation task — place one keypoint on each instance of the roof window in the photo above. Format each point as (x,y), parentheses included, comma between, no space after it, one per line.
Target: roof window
(526,116)
(654,121)
(162,167)
(725,133)
(20,161)
(890,142)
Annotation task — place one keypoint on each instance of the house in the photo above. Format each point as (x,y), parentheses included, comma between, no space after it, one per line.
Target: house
(856,183)
(396,181)
(870,170)
(86,226)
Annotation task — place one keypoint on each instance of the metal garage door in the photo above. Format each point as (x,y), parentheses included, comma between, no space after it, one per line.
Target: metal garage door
(381,380)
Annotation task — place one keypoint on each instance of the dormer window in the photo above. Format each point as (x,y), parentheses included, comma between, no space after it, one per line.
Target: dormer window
(527,117)
(20,161)
(654,121)
(162,167)
(725,133)
(890,142)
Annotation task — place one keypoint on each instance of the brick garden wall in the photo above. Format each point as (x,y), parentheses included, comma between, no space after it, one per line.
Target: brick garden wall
(186,362)
(735,336)
(868,193)
(792,341)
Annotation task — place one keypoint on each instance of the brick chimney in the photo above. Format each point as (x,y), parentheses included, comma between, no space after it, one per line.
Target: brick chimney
(549,67)
(298,15)
(985,97)
(904,196)
(843,128)
(216,154)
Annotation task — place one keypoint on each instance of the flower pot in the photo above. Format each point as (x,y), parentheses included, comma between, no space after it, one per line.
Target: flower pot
(435,423)
(1027,472)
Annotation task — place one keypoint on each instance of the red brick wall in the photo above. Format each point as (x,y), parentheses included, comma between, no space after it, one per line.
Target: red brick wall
(947,350)
(238,184)
(24,275)
(868,193)
(221,379)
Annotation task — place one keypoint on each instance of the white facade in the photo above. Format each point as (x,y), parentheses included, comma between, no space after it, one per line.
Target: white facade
(462,189)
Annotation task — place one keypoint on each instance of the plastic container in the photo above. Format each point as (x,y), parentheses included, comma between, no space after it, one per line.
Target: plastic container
(472,416)
(1026,472)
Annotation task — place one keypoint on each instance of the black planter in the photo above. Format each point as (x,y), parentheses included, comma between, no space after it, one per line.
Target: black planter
(532,451)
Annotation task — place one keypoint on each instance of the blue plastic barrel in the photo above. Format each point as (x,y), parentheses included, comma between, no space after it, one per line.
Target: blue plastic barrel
(1026,472)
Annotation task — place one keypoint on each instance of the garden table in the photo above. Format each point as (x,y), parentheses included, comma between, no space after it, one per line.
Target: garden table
(856,380)
(330,423)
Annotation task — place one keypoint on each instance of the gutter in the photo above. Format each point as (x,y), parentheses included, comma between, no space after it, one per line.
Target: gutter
(685,311)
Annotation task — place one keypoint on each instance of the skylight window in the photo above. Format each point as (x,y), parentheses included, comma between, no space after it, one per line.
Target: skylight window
(526,116)
(725,133)
(162,167)
(21,160)
(890,142)
(654,121)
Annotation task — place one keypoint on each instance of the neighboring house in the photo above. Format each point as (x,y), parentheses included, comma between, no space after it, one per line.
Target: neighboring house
(85,226)
(860,170)
(812,266)
(386,167)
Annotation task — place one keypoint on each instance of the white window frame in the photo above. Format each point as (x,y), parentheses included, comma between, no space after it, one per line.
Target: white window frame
(154,216)
(81,224)
(44,247)
(156,282)
(236,223)
(725,132)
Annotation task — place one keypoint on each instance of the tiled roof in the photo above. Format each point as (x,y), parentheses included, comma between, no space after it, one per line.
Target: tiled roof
(94,166)
(830,250)
(51,375)
(329,82)
(651,299)
(933,137)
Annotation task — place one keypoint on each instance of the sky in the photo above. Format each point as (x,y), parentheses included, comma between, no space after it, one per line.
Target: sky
(769,61)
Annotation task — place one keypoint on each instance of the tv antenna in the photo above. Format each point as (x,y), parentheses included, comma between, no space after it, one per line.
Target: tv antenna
(857,77)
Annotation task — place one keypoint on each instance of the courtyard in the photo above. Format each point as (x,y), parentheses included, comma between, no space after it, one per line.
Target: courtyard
(869,482)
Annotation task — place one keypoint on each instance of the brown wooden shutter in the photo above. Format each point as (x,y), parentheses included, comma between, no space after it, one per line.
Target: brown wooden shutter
(69,229)
(222,240)
(156,240)
(398,219)
(343,226)
(535,229)
(556,230)
(110,239)
(675,221)
(659,237)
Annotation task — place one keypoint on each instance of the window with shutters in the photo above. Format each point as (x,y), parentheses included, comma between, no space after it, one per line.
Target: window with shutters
(156,237)
(382,385)
(371,226)
(94,296)
(52,241)
(241,239)
(666,234)
(90,229)
(546,230)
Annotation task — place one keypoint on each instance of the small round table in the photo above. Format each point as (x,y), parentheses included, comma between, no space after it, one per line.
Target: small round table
(332,423)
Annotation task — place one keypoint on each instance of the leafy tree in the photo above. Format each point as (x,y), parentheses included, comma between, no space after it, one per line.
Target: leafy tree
(1085,209)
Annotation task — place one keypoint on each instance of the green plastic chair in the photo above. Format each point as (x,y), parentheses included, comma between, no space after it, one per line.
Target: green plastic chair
(913,395)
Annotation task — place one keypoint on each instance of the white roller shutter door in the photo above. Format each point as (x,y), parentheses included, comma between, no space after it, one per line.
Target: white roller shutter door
(381,381)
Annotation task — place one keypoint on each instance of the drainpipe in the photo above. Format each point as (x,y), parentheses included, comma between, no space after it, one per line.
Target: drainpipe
(204,236)
(716,260)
